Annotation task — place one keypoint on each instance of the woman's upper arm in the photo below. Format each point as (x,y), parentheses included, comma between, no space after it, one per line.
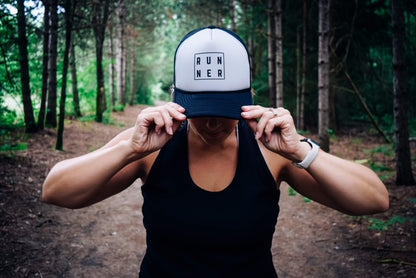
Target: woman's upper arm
(301,181)
(125,177)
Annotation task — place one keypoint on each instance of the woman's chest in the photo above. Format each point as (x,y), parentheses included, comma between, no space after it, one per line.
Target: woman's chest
(243,213)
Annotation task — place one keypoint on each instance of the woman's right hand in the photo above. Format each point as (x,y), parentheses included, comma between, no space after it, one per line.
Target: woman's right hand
(155,126)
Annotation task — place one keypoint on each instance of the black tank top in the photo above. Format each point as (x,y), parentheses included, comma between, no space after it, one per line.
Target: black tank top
(192,232)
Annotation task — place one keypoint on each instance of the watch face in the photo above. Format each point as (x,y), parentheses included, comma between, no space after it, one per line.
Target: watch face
(313,141)
(298,165)
(310,141)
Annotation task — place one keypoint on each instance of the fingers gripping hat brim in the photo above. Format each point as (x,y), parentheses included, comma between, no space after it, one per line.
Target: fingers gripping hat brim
(212,74)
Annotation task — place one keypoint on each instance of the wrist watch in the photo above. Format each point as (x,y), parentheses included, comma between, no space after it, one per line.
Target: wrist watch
(310,157)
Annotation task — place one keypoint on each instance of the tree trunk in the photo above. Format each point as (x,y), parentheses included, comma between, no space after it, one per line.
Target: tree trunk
(68,31)
(279,54)
(101,101)
(323,74)
(74,79)
(53,53)
(298,75)
(120,59)
(99,21)
(111,67)
(404,174)
(46,35)
(30,122)
(272,52)
(126,46)
(132,75)
(232,16)
(301,123)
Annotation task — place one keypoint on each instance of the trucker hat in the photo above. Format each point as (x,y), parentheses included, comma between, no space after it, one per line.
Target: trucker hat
(212,74)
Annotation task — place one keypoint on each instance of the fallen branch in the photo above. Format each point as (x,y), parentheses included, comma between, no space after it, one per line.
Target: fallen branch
(396,261)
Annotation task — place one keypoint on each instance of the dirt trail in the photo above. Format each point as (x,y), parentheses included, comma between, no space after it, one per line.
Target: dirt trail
(108,238)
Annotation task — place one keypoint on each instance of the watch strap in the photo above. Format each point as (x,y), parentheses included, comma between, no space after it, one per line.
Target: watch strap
(310,157)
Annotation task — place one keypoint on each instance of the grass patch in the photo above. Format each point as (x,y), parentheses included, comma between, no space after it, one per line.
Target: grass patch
(376,224)
(13,147)
(384,225)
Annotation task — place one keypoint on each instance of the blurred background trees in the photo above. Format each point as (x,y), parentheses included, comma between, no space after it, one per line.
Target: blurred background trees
(121,53)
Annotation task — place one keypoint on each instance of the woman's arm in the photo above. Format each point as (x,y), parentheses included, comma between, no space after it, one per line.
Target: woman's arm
(90,178)
(84,180)
(340,184)
(332,181)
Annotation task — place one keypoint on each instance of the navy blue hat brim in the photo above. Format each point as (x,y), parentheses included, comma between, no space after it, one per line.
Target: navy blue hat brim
(213,104)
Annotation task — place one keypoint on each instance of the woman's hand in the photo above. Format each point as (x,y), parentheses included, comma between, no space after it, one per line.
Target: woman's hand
(275,128)
(155,126)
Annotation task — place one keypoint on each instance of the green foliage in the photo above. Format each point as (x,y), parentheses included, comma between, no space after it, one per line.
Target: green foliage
(307,200)
(332,134)
(119,107)
(292,192)
(357,140)
(8,118)
(386,176)
(377,224)
(13,147)
(107,119)
(87,118)
(9,144)
(384,225)
(384,149)
(377,167)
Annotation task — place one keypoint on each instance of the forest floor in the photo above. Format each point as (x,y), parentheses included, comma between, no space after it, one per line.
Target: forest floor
(108,238)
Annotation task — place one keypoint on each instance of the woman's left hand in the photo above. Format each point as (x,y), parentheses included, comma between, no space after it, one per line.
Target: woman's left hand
(275,128)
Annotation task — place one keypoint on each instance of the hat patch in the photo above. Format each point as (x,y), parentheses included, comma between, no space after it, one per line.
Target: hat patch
(209,66)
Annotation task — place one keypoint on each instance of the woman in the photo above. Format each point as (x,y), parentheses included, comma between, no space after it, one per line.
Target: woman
(211,164)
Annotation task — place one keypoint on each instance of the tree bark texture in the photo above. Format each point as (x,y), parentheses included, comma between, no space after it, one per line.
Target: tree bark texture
(45,62)
(68,32)
(53,56)
(74,79)
(272,52)
(232,16)
(99,21)
(132,75)
(279,53)
(111,67)
(301,125)
(29,117)
(298,75)
(120,59)
(404,174)
(323,74)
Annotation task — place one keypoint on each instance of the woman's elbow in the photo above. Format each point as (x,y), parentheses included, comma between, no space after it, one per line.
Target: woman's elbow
(49,196)
(46,196)
(384,202)
(379,204)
